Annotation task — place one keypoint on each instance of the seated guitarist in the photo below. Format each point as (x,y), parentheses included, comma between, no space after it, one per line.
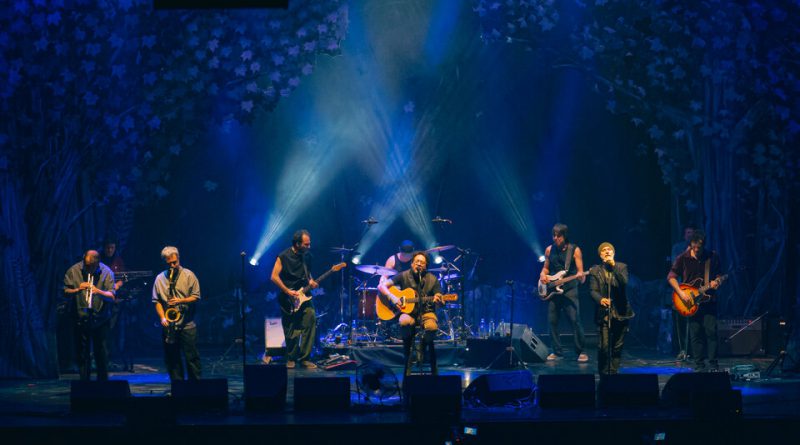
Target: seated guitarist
(426,285)
(696,266)
(290,273)
(563,255)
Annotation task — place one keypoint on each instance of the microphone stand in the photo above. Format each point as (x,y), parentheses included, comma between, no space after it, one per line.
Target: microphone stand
(510,348)
(242,314)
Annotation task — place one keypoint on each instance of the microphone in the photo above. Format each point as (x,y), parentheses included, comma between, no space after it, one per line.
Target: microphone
(441,220)
(370,221)
(510,282)
(243,253)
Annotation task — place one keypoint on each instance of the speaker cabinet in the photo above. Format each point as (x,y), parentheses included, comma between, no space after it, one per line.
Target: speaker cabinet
(740,337)
(566,390)
(322,393)
(531,349)
(489,353)
(99,396)
(628,390)
(193,396)
(500,388)
(430,397)
(274,340)
(265,387)
(706,394)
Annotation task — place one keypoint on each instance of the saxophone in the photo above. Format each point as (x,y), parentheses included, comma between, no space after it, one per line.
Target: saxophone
(173,315)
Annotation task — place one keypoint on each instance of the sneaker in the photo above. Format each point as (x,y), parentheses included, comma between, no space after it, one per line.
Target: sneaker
(553,356)
(290,364)
(265,359)
(583,358)
(308,365)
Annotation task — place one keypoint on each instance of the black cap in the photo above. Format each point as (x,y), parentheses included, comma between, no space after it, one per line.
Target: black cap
(406,246)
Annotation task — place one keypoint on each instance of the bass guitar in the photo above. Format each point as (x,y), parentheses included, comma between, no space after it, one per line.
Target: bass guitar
(697,296)
(304,292)
(408,300)
(554,283)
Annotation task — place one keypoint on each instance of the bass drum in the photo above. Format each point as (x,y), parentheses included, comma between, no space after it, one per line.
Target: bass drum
(366,303)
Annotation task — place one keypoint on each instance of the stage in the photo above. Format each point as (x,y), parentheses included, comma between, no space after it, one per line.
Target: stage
(39,411)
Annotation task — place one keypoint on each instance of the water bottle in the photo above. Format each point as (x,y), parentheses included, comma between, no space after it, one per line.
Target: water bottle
(482,328)
(492,327)
(502,328)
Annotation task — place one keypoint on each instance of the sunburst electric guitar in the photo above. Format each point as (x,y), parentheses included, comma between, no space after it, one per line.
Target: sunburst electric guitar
(304,292)
(408,300)
(697,296)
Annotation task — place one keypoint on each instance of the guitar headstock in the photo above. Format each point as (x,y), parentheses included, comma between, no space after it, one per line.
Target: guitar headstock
(338,267)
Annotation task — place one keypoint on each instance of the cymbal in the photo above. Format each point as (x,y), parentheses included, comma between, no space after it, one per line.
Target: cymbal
(343,249)
(375,269)
(440,248)
(450,277)
(438,269)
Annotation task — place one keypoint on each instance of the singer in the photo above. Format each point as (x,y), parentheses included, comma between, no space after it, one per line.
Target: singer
(89,287)
(177,287)
(608,287)
(424,284)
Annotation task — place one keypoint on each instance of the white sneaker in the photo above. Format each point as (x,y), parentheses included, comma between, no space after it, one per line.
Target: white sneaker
(583,358)
(552,357)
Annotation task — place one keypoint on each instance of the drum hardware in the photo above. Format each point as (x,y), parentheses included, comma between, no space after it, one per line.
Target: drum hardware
(374,269)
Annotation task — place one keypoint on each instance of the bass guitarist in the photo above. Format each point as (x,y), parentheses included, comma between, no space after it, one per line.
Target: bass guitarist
(563,255)
(425,284)
(696,266)
(291,273)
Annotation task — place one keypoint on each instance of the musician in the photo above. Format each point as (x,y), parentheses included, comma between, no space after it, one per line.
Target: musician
(608,284)
(696,266)
(89,284)
(113,260)
(178,288)
(290,273)
(425,284)
(679,322)
(401,261)
(563,255)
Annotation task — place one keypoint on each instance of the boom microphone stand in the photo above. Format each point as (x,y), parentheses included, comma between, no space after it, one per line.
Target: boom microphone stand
(510,348)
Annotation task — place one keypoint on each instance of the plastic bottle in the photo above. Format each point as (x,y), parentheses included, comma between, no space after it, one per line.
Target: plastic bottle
(482,332)
(492,328)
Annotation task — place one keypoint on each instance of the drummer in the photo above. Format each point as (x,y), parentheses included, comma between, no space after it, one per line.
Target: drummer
(400,261)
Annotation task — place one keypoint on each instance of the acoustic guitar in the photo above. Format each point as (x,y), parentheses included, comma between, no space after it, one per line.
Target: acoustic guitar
(408,301)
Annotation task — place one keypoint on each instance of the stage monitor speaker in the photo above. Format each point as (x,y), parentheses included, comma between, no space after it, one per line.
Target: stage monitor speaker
(489,353)
(432,397)
(566,390)
(531,349)
(628,390)
(99,396)
(274,340)
(193,396)
(265,387)
(500,388)
(707,394)
(740,337)
(322,393)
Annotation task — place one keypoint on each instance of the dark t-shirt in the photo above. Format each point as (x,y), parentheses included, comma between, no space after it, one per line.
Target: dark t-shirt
(692,271)
(428,287)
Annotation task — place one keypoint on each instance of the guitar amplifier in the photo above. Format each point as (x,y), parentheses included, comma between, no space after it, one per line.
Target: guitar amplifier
(274,341)
(747,342)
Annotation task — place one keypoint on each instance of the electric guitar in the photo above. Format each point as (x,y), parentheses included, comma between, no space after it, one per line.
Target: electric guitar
(408,300)
(697,296)
(303,292)
(553,286)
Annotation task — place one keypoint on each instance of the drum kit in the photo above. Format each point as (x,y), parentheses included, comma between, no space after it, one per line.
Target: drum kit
(367,328)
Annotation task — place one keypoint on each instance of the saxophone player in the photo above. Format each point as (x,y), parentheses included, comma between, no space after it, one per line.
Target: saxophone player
(176,291)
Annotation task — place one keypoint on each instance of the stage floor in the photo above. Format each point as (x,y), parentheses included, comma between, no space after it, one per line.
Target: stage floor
(770,405)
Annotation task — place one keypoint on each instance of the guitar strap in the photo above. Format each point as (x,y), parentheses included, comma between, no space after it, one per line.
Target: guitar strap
(568,260)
